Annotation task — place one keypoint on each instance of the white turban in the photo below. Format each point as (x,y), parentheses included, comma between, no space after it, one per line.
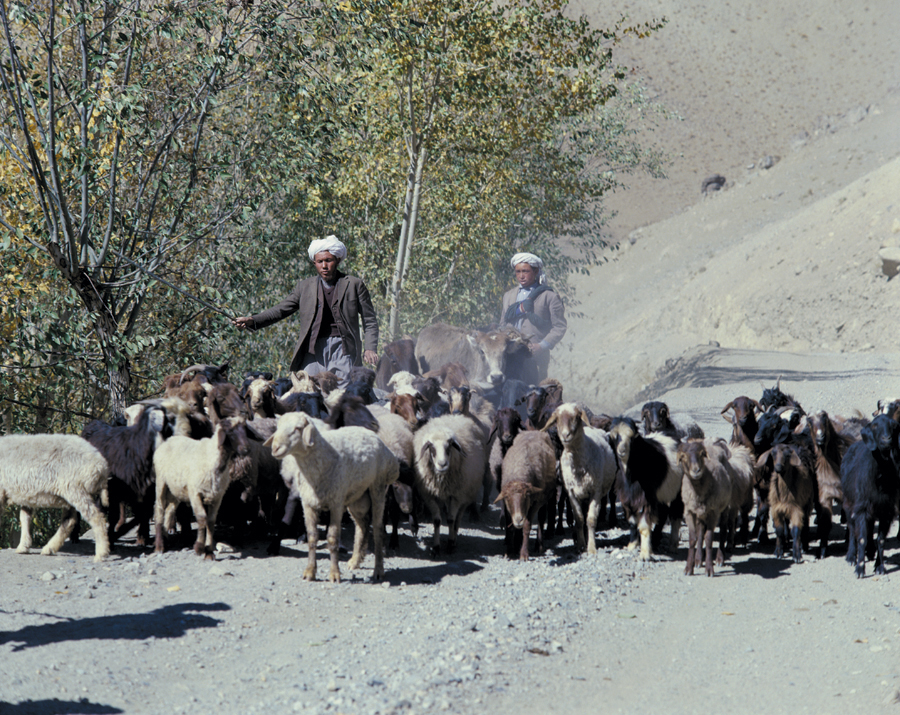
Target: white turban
(330,244)
(532,261)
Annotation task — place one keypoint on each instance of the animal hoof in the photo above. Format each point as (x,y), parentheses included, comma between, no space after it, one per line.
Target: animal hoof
(309,574)
(435,551)
(334,576)
(353,564)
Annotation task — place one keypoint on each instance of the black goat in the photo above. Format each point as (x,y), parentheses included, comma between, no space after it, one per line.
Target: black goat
(871,484)
(129,453)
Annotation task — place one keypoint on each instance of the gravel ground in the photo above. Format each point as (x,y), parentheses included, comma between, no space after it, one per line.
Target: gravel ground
(143,633)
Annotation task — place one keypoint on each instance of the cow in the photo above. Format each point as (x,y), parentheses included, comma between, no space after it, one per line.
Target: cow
(488,356)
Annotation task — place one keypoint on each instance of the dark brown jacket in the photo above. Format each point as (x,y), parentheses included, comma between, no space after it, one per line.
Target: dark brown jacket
(353,301)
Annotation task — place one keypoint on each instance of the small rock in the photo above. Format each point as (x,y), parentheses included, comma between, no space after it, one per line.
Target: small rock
(224,548)
(890,261)
(768,161)
(712,183)
(48,576)
(219,571)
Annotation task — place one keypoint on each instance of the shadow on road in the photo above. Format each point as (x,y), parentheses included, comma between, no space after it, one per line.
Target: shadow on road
(766,567)
(166,622)
(57,707)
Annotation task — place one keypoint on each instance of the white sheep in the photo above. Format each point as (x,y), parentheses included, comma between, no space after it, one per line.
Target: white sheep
(349,468)
(450,464)
(588,466)
(199,472)
(55,471)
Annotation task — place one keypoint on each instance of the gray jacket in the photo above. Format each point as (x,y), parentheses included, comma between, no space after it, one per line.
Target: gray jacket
(548,306)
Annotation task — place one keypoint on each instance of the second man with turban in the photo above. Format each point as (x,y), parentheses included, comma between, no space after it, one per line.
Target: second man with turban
(534,309)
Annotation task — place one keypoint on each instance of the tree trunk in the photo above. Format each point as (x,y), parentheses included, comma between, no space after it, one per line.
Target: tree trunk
(407,232)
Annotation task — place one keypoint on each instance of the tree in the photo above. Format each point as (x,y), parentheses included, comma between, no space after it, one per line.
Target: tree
(130,147)
(469,133)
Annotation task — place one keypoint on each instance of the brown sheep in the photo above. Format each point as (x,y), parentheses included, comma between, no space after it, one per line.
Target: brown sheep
(706,490)
(530,469)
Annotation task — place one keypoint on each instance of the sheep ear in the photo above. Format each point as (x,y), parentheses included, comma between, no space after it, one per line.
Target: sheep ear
(426,451)
(268,442)
(584,418)
(763,458)
(220,434)
(309,435)
(550,422)
(868,438)
(500,497)
(454,444)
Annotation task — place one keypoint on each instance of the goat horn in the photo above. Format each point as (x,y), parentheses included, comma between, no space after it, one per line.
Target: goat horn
(192,368)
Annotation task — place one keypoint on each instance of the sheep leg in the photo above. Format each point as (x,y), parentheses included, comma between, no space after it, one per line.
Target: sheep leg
(851,537)
(526,534)
(435,511)
(311,517)
(25,541)
(334,543)
(62,533)
(578,517)
(378,536)
(780,536)
(359,511)
(707,547)
(823,528)
(453,522)
(644,528)
(537,520)
(159,516)
(692,546)
(796,535)
(93,515)
(884,525)
(860,527)
(592,516)
(487,486)
(200,516)
(211,515)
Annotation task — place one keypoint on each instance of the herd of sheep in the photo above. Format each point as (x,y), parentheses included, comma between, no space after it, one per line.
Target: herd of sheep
(210,452)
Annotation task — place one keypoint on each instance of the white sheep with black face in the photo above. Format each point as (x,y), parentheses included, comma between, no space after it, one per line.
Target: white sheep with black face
(55,471)
(332,470)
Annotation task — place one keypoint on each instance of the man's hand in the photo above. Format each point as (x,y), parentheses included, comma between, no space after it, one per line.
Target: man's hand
(370,357)
(242,323)
(535,348)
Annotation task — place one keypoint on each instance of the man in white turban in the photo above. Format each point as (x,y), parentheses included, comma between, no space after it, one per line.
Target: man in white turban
(330,306)
(534,309)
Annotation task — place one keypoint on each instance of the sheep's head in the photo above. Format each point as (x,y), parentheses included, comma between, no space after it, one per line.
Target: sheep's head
(622,431)
(570,421)
(518,497)
(459,399)
(692,458)
(438,451)
(401,379)
(507,424)
(880,435)
(294,432)
(232,431)
(655,416)
(260,398)
(302,382)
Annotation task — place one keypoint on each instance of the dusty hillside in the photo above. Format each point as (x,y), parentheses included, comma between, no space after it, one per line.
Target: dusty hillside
(784,258)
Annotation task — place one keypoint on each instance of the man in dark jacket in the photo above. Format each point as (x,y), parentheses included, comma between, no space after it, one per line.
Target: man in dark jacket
(534,309)
(330,306)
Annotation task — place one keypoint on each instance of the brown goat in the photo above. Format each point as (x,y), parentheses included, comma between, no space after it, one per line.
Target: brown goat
(406,404)
(792,494)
